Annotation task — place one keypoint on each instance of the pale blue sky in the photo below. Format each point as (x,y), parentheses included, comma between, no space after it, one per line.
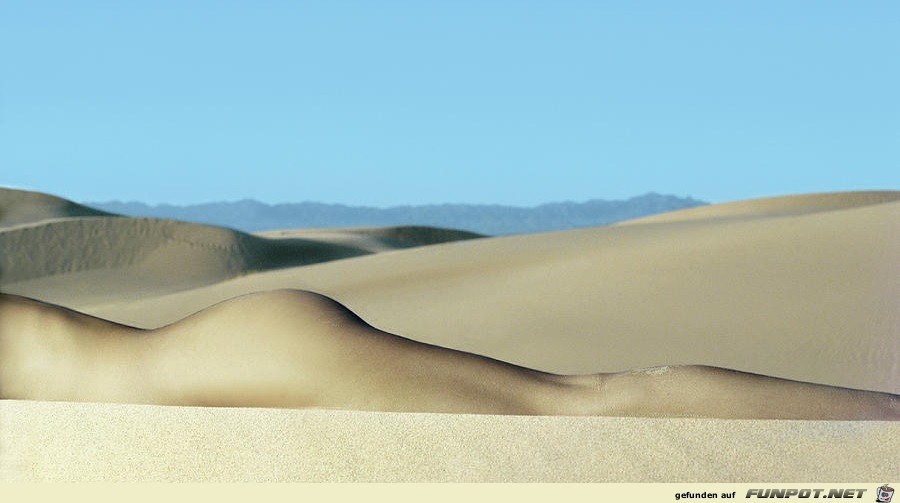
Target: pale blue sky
(408,102)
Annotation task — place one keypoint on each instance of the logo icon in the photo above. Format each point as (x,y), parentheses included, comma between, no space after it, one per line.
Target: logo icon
(884,494)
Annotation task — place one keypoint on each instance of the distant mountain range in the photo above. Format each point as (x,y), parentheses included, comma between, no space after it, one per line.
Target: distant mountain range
(249,215)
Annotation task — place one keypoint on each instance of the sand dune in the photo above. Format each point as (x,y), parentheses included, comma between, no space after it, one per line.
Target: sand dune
(782,206)
(111,253)
(57,246)
(773,308)
(808,297)
(22,206)
(298,349)
(75,245)
(377,239)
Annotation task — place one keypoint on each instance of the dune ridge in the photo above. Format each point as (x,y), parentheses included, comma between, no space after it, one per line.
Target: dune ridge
(298,349)
(807,297)
(76,245)
(45,236)
(22,206)
(773,207)
(657,349)
(128,258)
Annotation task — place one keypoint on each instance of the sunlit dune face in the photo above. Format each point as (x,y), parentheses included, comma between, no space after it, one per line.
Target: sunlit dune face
(298,349)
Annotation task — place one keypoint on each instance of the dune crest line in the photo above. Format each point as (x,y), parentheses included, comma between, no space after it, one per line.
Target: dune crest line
(299,349)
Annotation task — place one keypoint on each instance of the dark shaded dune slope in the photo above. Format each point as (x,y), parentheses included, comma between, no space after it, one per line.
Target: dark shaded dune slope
(409,236)
(45,236)
(170,247)
(21,207)
(377,239)
(55,249)
(298,349)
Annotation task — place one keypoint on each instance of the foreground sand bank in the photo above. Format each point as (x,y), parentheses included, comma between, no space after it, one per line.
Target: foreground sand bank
(56,441)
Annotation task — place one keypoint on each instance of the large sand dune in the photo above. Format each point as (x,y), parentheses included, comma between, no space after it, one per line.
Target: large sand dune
(783,206)
(298,349)
(22,206)
(809,297)
(58,247)
(775,308)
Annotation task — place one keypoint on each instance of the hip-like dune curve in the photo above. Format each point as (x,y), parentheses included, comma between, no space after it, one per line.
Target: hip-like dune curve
(303,350)
(705,322)
(809,297)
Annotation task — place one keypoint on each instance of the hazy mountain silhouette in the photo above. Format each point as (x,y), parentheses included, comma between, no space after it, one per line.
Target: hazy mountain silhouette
(250,215)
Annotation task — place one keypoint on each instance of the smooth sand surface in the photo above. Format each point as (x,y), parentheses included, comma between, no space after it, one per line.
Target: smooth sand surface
(290,348)
(775,308)
(809,297)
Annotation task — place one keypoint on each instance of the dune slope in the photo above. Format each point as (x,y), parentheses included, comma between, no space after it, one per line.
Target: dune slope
(700,325)
(64,249)
(163,246)
(780,206)
(298,349)
(809,297)
(22,206)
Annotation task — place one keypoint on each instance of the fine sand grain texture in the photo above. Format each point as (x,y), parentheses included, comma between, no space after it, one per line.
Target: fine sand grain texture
(750,341)
(58,441)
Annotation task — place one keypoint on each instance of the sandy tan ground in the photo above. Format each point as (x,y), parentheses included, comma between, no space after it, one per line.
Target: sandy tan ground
(60,441)
(797,296)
